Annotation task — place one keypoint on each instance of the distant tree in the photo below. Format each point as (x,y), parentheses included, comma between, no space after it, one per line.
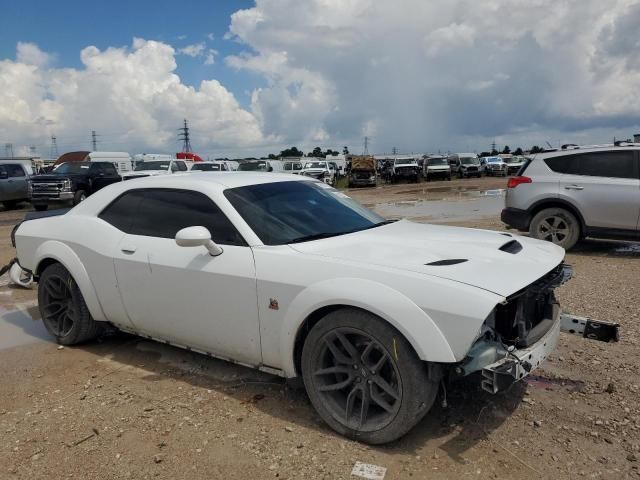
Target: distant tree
(518,151)
(316,152)
(536,149)
(484,154)
(291,152)
(331,153)
(345,150)
(494,152)
(272,156)
(506,149)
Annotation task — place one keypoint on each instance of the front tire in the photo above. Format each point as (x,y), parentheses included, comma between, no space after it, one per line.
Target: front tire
(363,377)
(79,197)
(556,225)
(62,307)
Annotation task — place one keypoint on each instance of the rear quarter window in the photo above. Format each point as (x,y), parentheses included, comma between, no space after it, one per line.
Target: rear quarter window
(616,164)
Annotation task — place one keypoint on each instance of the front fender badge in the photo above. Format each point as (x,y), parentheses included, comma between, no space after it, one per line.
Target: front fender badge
(273,304)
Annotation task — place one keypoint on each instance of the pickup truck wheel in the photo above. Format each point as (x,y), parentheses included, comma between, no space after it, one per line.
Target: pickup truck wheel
(363,377)
(10,204)
(41,208)
(64,312)
(80,196)
(556,225)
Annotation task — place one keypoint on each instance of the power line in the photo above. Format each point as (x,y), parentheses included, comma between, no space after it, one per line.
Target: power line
(184,137)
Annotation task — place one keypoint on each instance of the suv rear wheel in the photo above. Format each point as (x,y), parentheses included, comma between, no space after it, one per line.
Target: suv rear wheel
(556,225)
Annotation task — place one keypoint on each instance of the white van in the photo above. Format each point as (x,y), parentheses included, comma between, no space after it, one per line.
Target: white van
(121,160)
(262,166)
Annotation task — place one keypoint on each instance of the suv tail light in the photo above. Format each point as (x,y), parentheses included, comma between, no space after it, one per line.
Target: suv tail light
(515,181)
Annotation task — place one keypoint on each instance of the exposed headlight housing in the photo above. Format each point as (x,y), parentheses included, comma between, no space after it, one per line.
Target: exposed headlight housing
(66,185)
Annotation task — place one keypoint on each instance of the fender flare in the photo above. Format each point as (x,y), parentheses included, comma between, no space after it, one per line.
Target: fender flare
(416,326)
(63,254)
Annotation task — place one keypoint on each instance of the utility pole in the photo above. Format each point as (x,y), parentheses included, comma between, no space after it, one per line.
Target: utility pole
(493,146)
(94,141)
(8,150)
(366,146)
(54,147)
(184,137)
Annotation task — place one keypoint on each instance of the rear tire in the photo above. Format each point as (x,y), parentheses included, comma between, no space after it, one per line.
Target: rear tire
(10,204)
(556,225)
(363,377)
(64,312)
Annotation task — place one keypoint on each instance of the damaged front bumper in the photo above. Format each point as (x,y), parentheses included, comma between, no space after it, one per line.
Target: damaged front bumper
(503,362)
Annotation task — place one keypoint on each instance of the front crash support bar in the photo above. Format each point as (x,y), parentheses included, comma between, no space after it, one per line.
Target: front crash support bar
(588,328)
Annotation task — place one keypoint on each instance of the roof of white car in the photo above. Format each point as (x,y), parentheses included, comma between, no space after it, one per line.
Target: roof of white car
(224,179)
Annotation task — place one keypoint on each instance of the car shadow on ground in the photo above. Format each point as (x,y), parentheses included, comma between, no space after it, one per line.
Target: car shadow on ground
(469,416)
(607,248)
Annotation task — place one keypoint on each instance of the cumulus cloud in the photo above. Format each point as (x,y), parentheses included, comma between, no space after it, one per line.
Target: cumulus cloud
(194,50)
(30,54)
(131,96)
(443,73)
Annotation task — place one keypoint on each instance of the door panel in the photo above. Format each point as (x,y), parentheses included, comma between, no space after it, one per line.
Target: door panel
(604,202)
(187,296)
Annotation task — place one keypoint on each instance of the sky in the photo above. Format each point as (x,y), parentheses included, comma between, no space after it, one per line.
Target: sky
(255,77)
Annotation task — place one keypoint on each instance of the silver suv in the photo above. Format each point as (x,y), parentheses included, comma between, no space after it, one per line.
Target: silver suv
(565,195)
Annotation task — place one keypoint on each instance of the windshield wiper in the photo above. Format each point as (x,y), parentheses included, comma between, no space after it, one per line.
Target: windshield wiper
(315,236)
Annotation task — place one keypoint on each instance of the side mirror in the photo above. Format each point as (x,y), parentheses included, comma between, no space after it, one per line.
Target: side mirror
(270,169)
(198,237)
(4,175)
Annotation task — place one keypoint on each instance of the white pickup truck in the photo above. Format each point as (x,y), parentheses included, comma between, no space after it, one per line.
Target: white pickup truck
(152,168)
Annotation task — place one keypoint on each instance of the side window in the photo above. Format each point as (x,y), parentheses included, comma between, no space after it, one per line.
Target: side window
(174,166)
(616,164)
(109,169)
(121,211)
(182,167)
(97,168)
(288,166)
(163,212)
(14,170)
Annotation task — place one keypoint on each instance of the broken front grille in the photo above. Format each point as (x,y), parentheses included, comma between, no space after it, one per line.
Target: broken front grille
(527,315)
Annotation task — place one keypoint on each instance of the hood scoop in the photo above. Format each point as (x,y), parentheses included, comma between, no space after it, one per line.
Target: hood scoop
(447,262)
(512,246)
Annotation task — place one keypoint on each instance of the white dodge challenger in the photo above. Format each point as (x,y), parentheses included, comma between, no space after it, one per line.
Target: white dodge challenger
(288,275)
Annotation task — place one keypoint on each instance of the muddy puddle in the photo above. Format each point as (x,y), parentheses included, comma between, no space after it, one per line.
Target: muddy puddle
(446,204)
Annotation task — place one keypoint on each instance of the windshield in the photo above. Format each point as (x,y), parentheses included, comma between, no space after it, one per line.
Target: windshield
(152,166)
(469,160)
(512,160)
(405,161)
(253,167)
(72,167)
(289,212)
(437,161)
(315,165)
(206,167)
(493,160)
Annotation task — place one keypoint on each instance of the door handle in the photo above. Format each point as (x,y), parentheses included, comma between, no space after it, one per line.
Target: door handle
(573,187)
(128,249)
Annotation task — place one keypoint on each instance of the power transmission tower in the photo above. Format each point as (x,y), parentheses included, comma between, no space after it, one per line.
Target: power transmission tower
(94,141)
(54,147)
(493,146)
(32,150)
(394,151)
(366,145)
(8,150)
(184,137)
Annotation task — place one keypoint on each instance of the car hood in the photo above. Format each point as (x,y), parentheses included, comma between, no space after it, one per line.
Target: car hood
(412,246)
(55,178)
(314,170)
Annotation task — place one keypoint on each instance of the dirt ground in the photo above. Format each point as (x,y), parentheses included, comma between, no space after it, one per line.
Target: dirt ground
(126,407)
